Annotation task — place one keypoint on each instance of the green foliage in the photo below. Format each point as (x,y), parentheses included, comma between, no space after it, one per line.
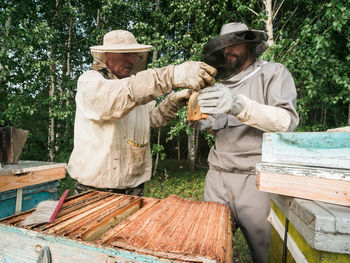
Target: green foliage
(157,148)
(47,42)
(178,124)
(315,48)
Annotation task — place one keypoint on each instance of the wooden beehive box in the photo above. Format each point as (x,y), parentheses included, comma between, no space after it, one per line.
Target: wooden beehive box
(317,232)
(24,184)
(311,165)
(105,227)
(320,149)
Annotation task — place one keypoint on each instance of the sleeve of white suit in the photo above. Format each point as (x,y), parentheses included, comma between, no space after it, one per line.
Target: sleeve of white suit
(167,109)
(264,117)
(102,99)
(279,113)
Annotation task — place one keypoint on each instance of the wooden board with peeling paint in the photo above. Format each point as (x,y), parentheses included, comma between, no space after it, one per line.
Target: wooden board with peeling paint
(323,149)
(106,227)
(314,183)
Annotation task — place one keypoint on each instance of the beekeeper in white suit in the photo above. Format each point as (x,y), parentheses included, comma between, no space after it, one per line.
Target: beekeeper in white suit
(115,110)
(254,97)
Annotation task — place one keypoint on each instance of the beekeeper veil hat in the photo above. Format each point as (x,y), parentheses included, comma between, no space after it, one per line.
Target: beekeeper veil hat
(120,41)
(233,34)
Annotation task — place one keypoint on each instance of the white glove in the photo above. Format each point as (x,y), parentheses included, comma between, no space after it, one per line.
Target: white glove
(203,124)
(219,99)
(193,75)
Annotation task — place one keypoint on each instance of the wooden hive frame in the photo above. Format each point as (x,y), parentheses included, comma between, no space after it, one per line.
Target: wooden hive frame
(122,223)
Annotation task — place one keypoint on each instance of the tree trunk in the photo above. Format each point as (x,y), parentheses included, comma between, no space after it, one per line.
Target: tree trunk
(157,155)
(349,116)
(192,149)
(51,136)
(178,150)
(69,66)
(154,58)
(51,132)
(269,21)
(7,28)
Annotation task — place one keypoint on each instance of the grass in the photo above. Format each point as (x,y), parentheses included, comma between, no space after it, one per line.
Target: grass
(173,178)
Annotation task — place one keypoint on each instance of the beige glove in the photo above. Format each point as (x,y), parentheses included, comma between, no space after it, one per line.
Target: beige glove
(193,75)
(180,98)
(168,108)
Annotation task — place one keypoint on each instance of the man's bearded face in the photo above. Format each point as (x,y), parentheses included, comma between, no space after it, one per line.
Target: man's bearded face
(236,56)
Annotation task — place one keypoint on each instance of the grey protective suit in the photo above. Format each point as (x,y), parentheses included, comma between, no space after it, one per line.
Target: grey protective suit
(231,176)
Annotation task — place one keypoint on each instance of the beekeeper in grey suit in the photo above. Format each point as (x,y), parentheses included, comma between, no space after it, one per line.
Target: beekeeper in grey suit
(254,97)
(115,109)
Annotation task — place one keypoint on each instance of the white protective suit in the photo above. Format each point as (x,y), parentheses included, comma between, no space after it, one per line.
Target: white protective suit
(114,116)
(112,129)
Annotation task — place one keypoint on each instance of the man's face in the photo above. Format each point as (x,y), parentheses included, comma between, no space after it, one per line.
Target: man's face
(237,57)
(120,64)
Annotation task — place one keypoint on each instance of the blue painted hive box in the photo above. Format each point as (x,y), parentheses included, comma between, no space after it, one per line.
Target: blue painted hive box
(31,196)
(24,185)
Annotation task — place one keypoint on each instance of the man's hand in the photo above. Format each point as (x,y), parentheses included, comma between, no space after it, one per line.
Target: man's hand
(180,98)
(219,99)
(193,75)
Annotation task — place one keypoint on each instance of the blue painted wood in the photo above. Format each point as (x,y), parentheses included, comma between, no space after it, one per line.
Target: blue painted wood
(61,249)
(32,195)
(321,149)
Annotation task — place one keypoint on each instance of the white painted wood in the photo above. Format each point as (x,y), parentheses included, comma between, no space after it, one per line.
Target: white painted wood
(28,166)
(309,171)
(19,196)
(293,248)
(324,226)
(324,149)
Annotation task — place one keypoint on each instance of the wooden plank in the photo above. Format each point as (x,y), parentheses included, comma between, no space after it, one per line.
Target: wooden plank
(319,189)
(324,149)
(106,238)
(19,196)
(96,229)
(296,170)
(23,167)
(10,182)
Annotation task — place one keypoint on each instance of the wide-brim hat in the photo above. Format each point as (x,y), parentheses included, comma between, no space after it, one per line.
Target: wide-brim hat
(121,41)
(233,34)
